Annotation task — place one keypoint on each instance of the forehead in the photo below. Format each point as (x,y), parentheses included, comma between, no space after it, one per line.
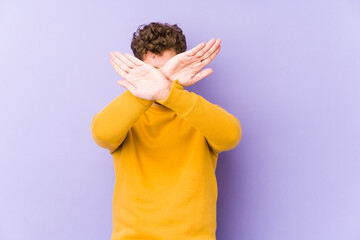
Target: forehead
(158,60)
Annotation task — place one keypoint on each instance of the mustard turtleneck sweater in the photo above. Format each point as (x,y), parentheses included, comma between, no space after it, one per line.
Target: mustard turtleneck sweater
(165,159)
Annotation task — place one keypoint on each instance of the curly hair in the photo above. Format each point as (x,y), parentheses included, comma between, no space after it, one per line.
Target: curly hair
(157,37)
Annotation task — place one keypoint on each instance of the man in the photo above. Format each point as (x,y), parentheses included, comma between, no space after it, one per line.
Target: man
(164,140)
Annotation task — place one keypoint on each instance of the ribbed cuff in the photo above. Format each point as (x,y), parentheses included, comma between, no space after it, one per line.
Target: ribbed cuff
(180,100)
(144,102)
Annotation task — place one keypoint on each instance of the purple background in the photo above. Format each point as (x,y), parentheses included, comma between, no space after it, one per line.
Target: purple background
(289,71)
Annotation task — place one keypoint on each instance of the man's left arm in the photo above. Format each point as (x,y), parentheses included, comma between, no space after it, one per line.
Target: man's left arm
(221,129)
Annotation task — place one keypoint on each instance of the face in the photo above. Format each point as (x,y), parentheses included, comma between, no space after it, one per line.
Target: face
(158,61)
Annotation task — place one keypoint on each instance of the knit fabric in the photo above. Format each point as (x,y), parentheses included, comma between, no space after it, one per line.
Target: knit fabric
(165,159)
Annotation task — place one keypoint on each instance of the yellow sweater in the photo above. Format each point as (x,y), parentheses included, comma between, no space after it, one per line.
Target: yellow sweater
(165,160)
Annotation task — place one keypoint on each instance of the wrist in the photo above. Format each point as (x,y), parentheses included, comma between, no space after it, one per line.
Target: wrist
(164,93)
(164,72)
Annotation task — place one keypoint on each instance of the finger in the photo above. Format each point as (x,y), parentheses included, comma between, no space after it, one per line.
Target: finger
(202,74)
(206,48)
(126,85)
(209,45)
(211,57)
(212,49)
(125,60)
(132,59)
(120,71)
(215,46)
(135,60)
(196,49)
(128,64)
(116,59)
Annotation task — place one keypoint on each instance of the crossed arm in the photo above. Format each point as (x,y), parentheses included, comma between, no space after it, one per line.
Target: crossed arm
(146,84)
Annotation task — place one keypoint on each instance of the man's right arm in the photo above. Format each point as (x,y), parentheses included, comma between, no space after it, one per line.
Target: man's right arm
(111,125)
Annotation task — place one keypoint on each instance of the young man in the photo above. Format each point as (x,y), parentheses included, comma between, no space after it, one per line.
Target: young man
(164,140)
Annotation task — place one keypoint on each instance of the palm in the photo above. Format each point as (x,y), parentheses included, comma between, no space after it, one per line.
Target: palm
(186,66)
(141,79)
(183,67)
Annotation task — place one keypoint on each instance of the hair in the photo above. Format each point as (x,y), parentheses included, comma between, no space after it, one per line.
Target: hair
(157,37)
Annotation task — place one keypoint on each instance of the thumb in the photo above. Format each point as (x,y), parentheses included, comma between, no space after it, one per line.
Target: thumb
(202,74)
(126,85)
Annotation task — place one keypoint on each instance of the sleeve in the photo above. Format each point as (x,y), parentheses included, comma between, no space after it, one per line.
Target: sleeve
(111,125)
(221,129)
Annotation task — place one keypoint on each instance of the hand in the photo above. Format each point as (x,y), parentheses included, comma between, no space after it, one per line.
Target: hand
(141,79)
(186,66)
